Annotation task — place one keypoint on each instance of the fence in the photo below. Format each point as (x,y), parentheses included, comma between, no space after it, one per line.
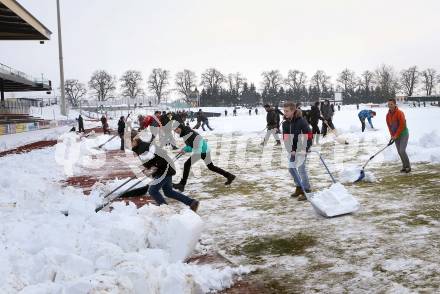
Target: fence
(125,101)
(14,107)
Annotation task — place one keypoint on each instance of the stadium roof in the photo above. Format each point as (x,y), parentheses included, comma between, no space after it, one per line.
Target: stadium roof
(16,23)
(13,80)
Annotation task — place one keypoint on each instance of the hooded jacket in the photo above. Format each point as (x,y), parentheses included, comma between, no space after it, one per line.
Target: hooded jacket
(296,133)
(153,156)
(396,123)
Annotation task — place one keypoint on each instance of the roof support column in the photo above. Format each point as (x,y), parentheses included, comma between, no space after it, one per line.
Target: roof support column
(2,89)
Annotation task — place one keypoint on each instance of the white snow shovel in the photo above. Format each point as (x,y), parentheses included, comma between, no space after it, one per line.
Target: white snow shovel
(333,201)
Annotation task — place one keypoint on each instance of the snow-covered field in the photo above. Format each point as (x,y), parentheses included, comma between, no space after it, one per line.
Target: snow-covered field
(389,245)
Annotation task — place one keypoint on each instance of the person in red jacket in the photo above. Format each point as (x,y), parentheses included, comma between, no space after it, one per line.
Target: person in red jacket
(399,132)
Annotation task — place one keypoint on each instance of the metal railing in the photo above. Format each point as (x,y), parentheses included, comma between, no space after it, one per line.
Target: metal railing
(14,107)
(9,70)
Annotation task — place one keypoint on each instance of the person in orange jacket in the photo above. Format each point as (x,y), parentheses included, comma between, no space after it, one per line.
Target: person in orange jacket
(399,132)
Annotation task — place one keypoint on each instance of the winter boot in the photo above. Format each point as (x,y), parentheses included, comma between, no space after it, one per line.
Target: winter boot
(297,192)
(194,205)
(302,196)
(230,179)
(179,186)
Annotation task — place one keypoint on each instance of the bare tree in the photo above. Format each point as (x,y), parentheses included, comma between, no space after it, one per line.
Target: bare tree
(272,80)
(296,80)
(75,91)
(185,82)
(429,80)
(212,79)
(386,80)
(321,81)
(103,84)
(347,78)
(366,80)
(157,82)
(236,82)
(131,82)
(409,79)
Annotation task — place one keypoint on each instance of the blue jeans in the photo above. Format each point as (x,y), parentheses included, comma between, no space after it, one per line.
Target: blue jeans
(167,186)
(299,173)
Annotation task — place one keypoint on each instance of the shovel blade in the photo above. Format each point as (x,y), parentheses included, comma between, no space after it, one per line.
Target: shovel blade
(361,176)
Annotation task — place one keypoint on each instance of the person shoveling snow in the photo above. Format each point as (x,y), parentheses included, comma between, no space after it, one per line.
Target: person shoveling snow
(295,130)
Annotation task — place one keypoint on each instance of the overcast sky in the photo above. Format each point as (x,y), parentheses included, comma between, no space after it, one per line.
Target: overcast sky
(249,36)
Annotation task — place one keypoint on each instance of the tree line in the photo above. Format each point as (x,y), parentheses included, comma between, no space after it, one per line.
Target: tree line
(218,89)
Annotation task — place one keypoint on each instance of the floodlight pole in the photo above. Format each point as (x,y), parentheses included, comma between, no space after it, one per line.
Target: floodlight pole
(60,54)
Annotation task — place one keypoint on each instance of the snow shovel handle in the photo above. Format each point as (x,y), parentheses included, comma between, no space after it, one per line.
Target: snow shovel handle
(326,167)
(107,141)
(386,146)
(118,187)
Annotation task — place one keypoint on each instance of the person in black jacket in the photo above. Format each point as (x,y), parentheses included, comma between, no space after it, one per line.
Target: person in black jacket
(161,167)
(80,124)
(298,139)
(202,118)
(327,111)
(200,150)
(121,129)
(273,125)
(315,116)
(104,123)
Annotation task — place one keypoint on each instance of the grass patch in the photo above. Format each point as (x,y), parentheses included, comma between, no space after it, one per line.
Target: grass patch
(256,247)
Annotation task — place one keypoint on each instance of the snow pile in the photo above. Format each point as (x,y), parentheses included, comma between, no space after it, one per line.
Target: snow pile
(423,148)
(429,150)
(73,152)
(333,201)
(351,174)
(12,141)
(126,251)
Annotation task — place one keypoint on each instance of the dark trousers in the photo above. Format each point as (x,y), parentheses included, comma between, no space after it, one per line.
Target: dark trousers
(401,144)
(105,129)
(81,128)
(207,159)
(206,123)
(363,124)
(167,186)
(315,128)
(324,126)
(121,135)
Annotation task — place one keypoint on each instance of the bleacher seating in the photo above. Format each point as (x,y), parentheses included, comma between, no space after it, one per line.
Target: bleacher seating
(11,118)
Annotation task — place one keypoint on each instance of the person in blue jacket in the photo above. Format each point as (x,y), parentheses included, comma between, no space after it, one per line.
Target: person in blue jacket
(366,114)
